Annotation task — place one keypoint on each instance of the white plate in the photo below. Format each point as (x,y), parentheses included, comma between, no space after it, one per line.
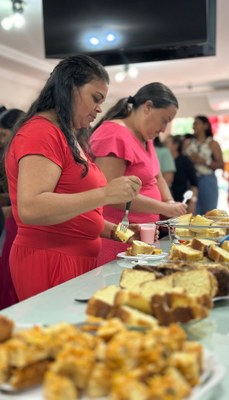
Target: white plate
(143,257)
(211,377)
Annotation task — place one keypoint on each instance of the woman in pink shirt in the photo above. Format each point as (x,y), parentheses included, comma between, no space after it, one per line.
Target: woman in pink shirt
(122,143)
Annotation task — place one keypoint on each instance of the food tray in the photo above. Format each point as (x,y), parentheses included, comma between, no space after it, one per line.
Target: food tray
(201,231)
(212,375)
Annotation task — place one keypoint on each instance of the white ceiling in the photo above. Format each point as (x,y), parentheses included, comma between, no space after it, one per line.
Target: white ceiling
(22,62)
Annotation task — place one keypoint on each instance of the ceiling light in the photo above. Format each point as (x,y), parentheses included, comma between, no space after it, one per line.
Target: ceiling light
(120,76)
(133,72)
(94,41)
(7,23)
(110,37)
(128,72)
(16,19)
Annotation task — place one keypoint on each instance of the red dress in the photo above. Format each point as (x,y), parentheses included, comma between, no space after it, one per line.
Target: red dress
(115,139)
(45,256)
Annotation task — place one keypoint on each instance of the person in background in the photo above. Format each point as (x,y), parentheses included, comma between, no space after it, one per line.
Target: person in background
(186,138)
(57,193)
(167,164)
(8,296)
(206,155)
(185,177)
(123,145)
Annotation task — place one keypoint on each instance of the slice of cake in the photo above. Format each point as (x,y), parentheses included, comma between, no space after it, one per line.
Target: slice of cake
(184,232)
(196,282)
(102,301)
(182,252)
(216,213)
(134,317)
(184,219)
(218,254)
(139,247)
(123,236)
(131,278)
(225,245)
(198,221)
(202,244)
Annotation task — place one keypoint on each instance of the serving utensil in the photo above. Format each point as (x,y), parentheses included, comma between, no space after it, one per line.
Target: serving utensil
(187,196)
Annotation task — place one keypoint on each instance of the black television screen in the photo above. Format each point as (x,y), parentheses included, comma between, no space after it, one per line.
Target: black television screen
(124,31)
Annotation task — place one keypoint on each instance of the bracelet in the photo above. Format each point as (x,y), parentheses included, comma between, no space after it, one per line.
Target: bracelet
(112,232)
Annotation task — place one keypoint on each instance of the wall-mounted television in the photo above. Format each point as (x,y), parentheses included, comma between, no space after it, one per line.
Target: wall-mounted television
(123,31)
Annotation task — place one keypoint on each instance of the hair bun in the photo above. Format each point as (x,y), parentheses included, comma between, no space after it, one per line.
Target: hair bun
(130,100)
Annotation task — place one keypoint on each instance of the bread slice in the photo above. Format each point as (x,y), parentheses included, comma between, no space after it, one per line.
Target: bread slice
(184,219)
(131,278)
(158,286)
(218,254)
(182,252)
(179,307)
(197,221)
(216,213)
(6,328)
(123,236)
(133,299)
(202,244)
(196,282)
(139,247)
(225,245)
(184,232)
(134,317)
(211,232)
(102,302)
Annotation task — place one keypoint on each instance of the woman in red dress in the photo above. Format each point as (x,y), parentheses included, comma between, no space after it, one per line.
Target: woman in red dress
(57,192)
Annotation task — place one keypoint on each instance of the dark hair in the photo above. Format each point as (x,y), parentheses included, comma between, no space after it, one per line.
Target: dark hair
(177,140)
(205,120)
(9,118)
(157,142)
(72,72)
(2,108)
(160,95)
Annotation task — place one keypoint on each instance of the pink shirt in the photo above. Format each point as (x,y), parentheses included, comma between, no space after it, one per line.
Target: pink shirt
(114,139)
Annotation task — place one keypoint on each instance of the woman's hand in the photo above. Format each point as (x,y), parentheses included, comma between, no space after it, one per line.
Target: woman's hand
(122,189)
(136,229)
(196,159)
(174,209)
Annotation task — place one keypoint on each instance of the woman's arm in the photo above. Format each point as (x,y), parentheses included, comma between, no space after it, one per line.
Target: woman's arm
(114,167)
(168,177)
(217,161)
(39,205)
(166,195)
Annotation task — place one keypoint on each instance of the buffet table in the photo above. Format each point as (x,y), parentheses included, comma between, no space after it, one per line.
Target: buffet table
(59,304)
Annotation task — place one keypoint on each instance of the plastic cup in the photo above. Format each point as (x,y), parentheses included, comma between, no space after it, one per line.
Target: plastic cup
(147,233)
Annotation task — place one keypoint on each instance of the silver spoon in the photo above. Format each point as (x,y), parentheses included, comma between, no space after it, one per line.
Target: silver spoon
(187,196)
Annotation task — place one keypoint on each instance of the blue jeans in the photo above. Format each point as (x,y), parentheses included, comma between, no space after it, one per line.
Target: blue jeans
(208,193)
